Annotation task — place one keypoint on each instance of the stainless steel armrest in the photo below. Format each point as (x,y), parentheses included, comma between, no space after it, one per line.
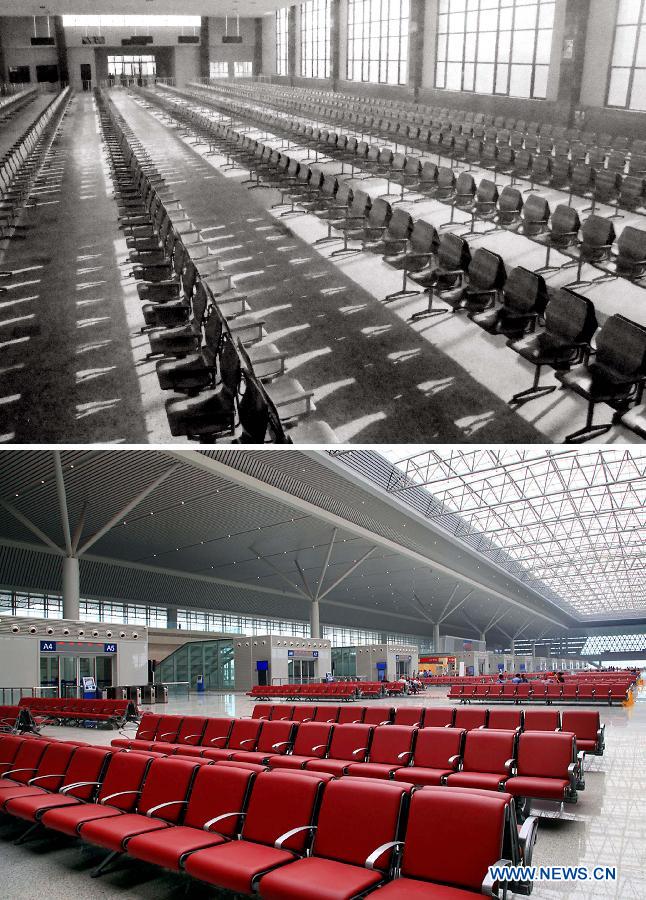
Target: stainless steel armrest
(42,777)
(359,750)
(488,885)
(221,737)
(527,837)
(118,794)
(13,771)
(207,825)
(454,760)
(153,809)
(280,744)
(405,753)
(509,766)
(374,856)
(248,741)
(319,747)
(278,843)
(70,787)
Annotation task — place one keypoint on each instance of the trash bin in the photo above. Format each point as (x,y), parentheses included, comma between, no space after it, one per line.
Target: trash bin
(200,684)
(161,693)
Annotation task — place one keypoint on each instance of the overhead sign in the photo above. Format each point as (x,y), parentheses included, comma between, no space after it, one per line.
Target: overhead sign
(109,648)
(303,654)
(48,646)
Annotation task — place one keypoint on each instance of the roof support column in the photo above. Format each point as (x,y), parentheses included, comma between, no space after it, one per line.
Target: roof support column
(71,595)
(315,626)
(436,637)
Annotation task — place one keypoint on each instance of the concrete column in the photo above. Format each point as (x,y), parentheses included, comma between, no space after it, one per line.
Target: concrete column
(573,55)
(205,49)
(335,45)
(291,42)
(171,617)
(61,50)
(416,46)
(436,638)
(257,47)
(315,625)
(483,637)
(71,596)
(513,646)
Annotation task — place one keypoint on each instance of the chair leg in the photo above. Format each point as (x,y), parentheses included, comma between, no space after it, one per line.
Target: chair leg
(101,868)
(404,292)
(429,312)
(25,835)
(589,430)
(534,391)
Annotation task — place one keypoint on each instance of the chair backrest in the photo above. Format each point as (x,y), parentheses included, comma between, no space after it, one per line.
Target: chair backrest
(412,716)
(53,765)
(438,716)
(276,807)
(282,712)
(191,730)
(357,816)
(435,746)
(583,723)
(351,742)
(621,346)
(217,791)
(377,715)
(330,713)
(570,316)
(453,252)
(216,732)
(349,713)
(632,243)
(465,185)
(392,744)
(244,734)
(167,728)
(312,739)
(302,713)
(169,778)
(253,411)
(84,771)
(26,762)
(487,270)
(424,237)
(506,719)
(545,754)
(379,214)
(511,200)
(147,727)
(361,204)
(441,824)
(275,737)
(488,751)
(487,191)
(470,718)
(124,776)
(525,291)
(400,225)
(542,720)
(597,232)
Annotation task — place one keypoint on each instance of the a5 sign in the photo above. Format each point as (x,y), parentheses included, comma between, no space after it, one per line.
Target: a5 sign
(109,648)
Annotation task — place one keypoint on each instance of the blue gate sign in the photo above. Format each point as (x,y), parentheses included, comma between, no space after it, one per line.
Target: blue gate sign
(109,648)
(48,646)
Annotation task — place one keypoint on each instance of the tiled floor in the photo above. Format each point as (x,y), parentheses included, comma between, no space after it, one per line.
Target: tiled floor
(606,827)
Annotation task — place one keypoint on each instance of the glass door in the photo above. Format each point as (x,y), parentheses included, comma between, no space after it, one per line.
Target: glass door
(103,672)
(69,676)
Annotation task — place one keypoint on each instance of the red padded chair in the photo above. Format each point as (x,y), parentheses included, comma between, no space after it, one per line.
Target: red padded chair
(117,794)
(391,748)
(146,731)
(587,691)
(359,824)
(348,715)
(456,692)
(189,734)
(10,744)
(23,766)
(570,691)
(441,823)
(439,717)
(487,761)
(312,742)
(523,691)
(507,719)
(350,743)
(303,713)
(538,692)
(542,720)
(586,725)
(413,716)
(161,804)
(552,692)
(276,738)
(277,830)
(81,781)
(243,736)
(262,711)
(468,719)
(547,767)
(48,776)
(214,813)
(281,712)
(378,715)
(328,713)
(437,754)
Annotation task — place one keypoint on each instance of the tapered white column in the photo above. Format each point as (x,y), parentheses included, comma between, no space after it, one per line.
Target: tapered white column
(315,626)
(71,595)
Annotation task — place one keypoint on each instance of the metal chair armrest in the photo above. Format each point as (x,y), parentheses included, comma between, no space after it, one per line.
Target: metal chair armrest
(153,809)
(359,750)
(207,825)
(278,843)
(527,837)
(454,760)
(319,747)
(42,777)
(118,794)
(489,885)
(374,856)
(70,787)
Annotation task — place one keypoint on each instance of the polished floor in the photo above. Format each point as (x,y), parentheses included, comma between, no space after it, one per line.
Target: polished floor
(606,827)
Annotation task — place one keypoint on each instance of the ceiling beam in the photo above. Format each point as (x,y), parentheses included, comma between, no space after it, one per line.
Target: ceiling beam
(326,563)
(62,501)
(29,525)
(347,573)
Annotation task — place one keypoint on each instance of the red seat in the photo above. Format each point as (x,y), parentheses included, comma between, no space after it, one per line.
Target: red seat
(546,767)
(347,715)
(277,828)
(10,744)
(507,719)
(190,732)
(569,690)
(118,794)
(282,712)
(468,718)
(350,743)
(312,742)
(49,775)
(161,803)
(487,761)
(81,781)
(214,813)
(586,725)
(276,738)
(352,851)
(437,754)
(412,716)
(243,736)
(303,713)
(542,720)
(438,716)
(391,748)
(262,711)
(378,715)
(23,766)
(538,692)
(441,824)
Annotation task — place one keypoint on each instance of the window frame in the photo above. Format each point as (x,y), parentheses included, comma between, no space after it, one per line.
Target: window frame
(363,30)
(315,38)
(282,42)
(633,67)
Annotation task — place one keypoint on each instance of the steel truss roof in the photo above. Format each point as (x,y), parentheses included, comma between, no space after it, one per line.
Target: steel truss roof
(570,523)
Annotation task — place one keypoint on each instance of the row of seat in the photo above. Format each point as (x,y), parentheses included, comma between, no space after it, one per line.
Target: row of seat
(276,834)
(15,718)
(22,164)
(427,756)
(347,690)
(12,104)
(218,360)
(569,691)
(59,711)
(577,167)
(474,284)
(626,677)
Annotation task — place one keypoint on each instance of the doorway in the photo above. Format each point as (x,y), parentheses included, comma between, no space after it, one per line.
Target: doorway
(300,671)
(402,667)
(86,76)
(65,672)
(139,68)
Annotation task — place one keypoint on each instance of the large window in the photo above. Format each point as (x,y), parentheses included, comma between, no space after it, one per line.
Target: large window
(131,21)
(282,41)
(378,41)
(242,69)
(627,82)
(219,70)
(315,39)
(132,66)
(495,46)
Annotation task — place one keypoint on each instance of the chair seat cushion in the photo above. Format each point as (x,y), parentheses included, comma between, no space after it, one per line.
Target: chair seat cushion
(254,756)
(218,753)
(333,766)
(190,751)
(421,775)
(528,786)
(583,744)
(372,770)
(68,818)
(113,831)
(593,382)
(31,807)
(485,780)
(289,762)
(140,745)
(236,864)
(124,743)
(325,879)
(406,888)
(20,790)
(168,848)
